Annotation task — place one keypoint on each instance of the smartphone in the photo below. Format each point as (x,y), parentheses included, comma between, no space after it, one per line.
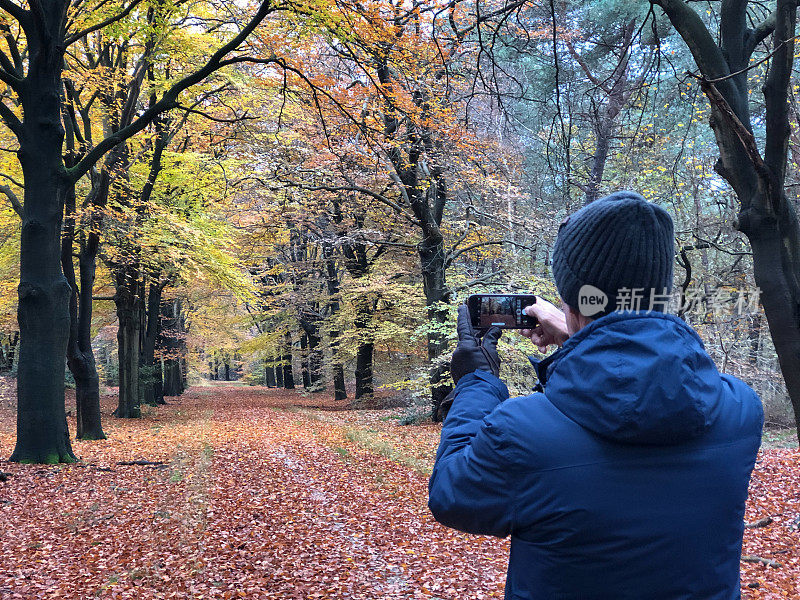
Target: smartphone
(501,310)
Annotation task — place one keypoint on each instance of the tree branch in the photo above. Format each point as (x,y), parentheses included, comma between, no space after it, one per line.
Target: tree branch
(707,55)
(476,281)
(13,199)
(194,111)
(454,255)
(170,98)
(751,558)
(15,10)
(361,190)
(585,67)
(690,27)
(83,33)
(733,30)
(745,136)
(10,119)
(759,33)
(776,92)
(10,80)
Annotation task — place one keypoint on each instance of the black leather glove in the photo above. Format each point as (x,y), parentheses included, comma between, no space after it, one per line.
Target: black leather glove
(474,351)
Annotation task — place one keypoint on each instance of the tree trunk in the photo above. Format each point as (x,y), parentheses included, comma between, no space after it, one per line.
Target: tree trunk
(269,374)
(170,346)
(310,341)
(315,359)
(364,352)
(278,374)
(80,356)
(152,379)
(766,215)
(332,281)
(129,313)
(43,309)
(304,360)
(364,385)
(776,267)
(288,376)
(172,377)
(432,257)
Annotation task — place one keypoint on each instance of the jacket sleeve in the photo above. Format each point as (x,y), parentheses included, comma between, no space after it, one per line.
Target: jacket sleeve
(472,484)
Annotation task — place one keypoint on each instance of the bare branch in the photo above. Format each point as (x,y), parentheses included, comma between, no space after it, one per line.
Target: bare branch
(745,136)
(476,281)
(7,73)
(10,119)
(12,180)
(96,27)
(13,199)
(776,93)
(759,33)
(361,190)
(15,10)
(194,111)
(454,255)
(690,27)
(751,558)
(170,98)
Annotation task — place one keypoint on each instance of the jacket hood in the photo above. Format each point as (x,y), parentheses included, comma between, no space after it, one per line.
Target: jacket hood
(641,378)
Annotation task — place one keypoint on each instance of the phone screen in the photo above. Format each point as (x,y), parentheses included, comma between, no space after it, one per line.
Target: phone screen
(501,310)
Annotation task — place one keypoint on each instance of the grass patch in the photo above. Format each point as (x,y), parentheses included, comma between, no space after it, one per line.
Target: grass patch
(368,440)
(779,438)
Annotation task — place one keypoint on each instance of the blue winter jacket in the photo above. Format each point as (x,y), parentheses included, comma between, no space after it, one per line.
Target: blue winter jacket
(626,479)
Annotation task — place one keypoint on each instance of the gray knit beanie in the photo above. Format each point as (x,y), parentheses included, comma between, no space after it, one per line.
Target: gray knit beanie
(617,247)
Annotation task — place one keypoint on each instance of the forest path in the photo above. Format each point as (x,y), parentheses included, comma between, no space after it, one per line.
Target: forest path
(257,497)
(268,494)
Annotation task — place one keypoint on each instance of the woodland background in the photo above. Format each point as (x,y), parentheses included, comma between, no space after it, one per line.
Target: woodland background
(267,213)
(311,211)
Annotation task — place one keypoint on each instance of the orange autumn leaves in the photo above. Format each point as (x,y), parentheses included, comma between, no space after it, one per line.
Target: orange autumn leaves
(273,494)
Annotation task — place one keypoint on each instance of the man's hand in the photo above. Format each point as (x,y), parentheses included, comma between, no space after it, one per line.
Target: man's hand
(473,351)
(552,327)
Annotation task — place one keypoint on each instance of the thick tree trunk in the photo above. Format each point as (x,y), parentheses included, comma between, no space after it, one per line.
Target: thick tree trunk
(288,375)
(332,281)
(80,356)
(363,372)
(364,352)
(279,374)
(43,309)
(152,379)
(432,257)
(43,313)
(129,313)
(304,362)
(170,345)
(269,374)
(776,263)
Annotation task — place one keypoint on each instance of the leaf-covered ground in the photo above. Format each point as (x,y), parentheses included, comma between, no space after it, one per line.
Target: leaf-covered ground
(268,494)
